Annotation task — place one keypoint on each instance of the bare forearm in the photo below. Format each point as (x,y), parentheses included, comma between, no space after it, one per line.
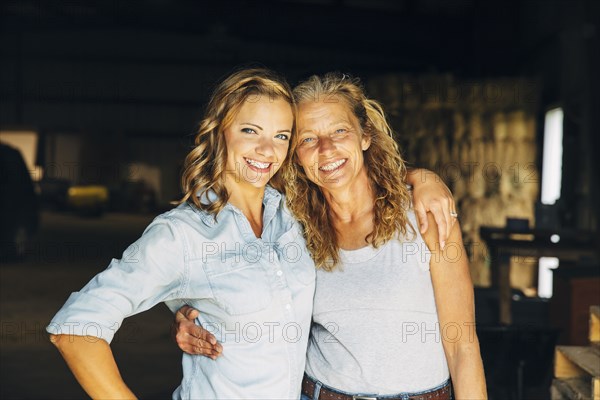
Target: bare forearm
(416,176)
(466,371)
(454,300)
(92,362)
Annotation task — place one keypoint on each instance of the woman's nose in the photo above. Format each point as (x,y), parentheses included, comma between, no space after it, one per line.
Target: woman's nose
(265,147)
(326,145)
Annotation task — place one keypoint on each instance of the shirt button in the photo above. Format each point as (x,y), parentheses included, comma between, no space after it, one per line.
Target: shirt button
(288,306)
(279,273)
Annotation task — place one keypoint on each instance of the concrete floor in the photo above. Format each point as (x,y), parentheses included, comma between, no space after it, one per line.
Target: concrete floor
(68,251)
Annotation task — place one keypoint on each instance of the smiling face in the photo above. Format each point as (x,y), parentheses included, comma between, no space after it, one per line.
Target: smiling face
(331,144)
(257,142)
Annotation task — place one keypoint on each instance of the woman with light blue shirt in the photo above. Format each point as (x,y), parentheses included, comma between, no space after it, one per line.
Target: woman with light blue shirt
(231,249)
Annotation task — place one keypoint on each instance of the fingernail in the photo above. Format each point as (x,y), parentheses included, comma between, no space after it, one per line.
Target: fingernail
(443,244)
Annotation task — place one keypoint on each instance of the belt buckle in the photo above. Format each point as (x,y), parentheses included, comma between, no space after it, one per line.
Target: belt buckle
(363,398)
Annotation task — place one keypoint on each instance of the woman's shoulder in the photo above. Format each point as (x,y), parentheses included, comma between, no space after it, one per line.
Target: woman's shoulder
(181,212)
(181,219)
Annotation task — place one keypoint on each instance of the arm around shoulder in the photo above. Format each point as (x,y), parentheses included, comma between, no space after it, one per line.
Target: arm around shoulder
(431,195)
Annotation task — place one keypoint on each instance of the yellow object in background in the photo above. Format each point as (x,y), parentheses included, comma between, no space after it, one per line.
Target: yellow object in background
(88,198)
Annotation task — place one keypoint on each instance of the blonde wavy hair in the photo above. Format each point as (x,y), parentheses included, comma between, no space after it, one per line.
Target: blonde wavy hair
(385,168)
(204,166)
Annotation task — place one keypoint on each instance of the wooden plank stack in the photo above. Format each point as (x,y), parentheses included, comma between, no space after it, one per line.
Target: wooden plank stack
(577,368)
(479,136)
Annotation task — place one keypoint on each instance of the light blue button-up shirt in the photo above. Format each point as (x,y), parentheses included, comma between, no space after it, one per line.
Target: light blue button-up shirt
(255,296)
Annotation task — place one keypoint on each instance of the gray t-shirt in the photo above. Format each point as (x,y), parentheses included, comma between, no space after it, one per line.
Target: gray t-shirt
(375,326)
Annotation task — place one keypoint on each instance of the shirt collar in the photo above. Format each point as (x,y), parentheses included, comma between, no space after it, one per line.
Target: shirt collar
(271,201)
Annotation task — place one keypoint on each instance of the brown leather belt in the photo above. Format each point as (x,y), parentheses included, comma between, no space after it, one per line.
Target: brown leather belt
(308,389)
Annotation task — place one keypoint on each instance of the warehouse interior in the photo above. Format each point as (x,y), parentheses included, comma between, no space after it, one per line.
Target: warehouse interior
(499,98)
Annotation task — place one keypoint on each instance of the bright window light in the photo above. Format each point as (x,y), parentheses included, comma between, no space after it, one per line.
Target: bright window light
(26,142)
(552,156)
(545,275)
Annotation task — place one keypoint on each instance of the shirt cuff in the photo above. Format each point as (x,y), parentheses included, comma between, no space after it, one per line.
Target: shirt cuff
(86,315)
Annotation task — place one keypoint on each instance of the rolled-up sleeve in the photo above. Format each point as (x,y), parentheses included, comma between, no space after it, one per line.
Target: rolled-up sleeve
(152,270)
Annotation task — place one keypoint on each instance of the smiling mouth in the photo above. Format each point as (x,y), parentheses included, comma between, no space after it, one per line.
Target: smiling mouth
(258,164)
(333,166)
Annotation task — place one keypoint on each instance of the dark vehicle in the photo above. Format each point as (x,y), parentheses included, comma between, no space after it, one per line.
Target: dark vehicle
(19,208)
(54,193)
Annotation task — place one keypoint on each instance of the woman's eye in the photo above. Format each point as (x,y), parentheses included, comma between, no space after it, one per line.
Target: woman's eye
(341,130)
(307,140)
(248,130)
(283,136)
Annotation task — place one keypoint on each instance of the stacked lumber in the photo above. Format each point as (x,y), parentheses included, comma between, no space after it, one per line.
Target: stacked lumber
(577,368)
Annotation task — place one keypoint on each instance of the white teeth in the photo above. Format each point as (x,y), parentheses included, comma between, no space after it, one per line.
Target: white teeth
(258,164)
(332,166)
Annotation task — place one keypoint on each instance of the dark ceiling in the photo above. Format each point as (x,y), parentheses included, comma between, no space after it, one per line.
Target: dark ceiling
(465,37)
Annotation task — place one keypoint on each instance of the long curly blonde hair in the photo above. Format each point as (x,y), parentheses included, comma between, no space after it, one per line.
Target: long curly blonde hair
(385,169)
(204,166)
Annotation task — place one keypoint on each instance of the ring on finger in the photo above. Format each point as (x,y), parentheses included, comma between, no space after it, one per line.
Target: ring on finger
(453,214)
